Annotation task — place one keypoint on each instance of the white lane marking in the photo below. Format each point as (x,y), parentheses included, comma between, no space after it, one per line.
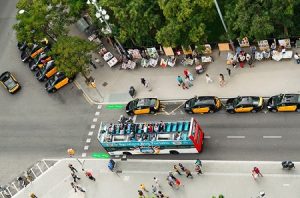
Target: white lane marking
(93,126)
(99,107)
(134,118)
(207,137)
(235,136)
(88,140)
(286,184)
(90,133)
(272,137)
(86,147)
(83,155)
(97,113)
(95,119)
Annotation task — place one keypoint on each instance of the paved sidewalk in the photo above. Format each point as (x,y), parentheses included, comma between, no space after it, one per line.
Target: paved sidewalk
(232,179)
(267,78)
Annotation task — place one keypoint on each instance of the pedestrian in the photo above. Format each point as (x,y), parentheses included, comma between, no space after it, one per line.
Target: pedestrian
(93,64)
(156,181)
(296,57)
(72,168)
(132,91)
(171,175)
(181,166)
(186,73)
(179,80)
(221,80)
(191,77)
(161,195)
(21,182)
(80,188)
(75,177)
(257,171)
(143,81)
(90,175)
(141,194)
(176,169)
(32,195)
(178,183)
(187,82)
(142,187)
(228,71)
(188,173)
(198,162)
(73,186)
(249,60)
(154,189)
(171,181)
(208,79)
(198,169)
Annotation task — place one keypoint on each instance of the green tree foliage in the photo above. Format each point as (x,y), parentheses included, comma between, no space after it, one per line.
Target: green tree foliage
(72,54)
(260,18)
(185,21)
(136,21)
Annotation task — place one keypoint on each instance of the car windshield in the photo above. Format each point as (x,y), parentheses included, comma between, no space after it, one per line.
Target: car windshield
(202,101)
(9,83)
(145,102)
(53,80)
(277,99)
(236,101)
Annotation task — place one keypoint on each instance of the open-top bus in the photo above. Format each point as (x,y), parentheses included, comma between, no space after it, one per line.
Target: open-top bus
(151,138)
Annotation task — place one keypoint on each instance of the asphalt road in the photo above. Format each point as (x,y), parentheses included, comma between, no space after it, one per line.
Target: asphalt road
(34,124)
(262,136)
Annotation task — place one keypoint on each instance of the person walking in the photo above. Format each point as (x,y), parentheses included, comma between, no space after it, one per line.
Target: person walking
(156,181)
(80,188)
(208,79)
(73,186)
(297,58)
(142,187)
(198,162)
(257,171)
(198,169)
(143,81)
(187,82)
(171,181)
(176,169)
(132,91)
(181,166)
(75,177)
(186,73)
(141,194)
(178,183)
(221,80)
(229,72)
(188,173)
(90,175)
(154,189)
(179,80)
(72,168)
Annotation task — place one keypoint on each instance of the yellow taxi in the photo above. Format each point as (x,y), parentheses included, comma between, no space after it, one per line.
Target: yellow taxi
(202,104)
(242,104)
(143,106)
(284,102)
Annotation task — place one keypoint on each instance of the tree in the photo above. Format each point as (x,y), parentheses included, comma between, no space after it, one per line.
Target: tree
(135,21)
(72,54)
(260,19)
(185,22)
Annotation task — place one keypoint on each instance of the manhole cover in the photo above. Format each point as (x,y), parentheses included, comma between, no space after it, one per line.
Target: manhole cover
(104,84)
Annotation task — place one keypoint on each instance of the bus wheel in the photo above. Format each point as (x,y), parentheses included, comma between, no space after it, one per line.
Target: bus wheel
(173,152)
(127,153)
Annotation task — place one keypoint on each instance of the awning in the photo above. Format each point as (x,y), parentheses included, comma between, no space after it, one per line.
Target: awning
(187,50)
(168,51)
(224,47)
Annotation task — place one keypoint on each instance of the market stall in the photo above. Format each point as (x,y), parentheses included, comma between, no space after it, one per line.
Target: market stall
(168,51)
(128,65)
(263,45)
(277,56)
(152,52)
(286,43)
(244,42)
(187,51)
(112,62)
(107,56)
(135,53)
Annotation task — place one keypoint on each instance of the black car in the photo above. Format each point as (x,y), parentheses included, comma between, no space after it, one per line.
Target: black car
(284,102)
(202,104)
(46,72)
(9,82)
(244,104)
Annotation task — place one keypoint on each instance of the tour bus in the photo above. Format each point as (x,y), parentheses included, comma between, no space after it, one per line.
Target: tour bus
(151,138)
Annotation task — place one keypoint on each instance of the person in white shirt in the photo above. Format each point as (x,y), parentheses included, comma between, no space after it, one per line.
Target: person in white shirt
(296,57)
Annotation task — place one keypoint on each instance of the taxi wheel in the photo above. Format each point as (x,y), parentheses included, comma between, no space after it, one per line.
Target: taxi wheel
(274,110)
(231,111)
(152,112)
(254,111)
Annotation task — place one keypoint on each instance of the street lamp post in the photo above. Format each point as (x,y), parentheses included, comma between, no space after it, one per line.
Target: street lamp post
(102,15)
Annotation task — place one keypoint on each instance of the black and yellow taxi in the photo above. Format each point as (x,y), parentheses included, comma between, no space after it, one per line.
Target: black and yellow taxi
(143,106)
(46,72)
(202,104)
(242,104)
(9,82)
(284,102)
(57,81)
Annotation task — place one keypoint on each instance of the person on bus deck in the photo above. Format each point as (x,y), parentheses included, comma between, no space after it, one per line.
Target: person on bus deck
(156,128)
(138,137)
(145,128)
(122,130)
(131,136)
(177,136)
(153,137)
(145,136)
(161,126)
(150,128)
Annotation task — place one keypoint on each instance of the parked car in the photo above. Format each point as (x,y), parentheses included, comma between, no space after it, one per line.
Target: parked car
(202,104)
(284,102)
(243,104)
(143,106)
(57,81)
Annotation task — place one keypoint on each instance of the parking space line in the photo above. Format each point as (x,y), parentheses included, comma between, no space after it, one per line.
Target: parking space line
(235,136)
(88,140)
(99,107)
(86,147)
(93,126)
(83,155)
(90,133)
(95,119)
(272,137)
(177,107)
(207,137)
(97,113)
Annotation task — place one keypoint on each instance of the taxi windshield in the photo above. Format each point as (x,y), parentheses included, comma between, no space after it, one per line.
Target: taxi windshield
(9,83)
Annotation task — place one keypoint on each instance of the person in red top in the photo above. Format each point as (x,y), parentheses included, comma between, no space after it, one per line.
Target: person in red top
(257,171)
(186,73)
(150,128)
(89,175)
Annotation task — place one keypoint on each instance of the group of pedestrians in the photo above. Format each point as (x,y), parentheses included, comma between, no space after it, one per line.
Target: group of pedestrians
(75,177)
(185,82)
(172,180)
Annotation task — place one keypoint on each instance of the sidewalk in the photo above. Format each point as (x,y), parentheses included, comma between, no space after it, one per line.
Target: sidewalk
(267,78)
(232,179)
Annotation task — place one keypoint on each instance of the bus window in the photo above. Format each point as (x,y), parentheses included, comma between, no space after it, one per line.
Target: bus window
(163,137)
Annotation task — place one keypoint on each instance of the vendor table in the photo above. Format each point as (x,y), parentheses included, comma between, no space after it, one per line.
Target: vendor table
(107,56)
(206,59)
(112,62)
